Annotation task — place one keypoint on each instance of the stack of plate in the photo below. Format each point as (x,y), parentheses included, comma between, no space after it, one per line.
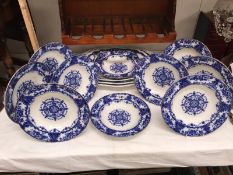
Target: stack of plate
(49,96)
(116,66)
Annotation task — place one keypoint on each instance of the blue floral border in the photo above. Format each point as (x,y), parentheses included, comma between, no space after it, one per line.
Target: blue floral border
(223,94)
(50,47)
(91,69)
(212,62)
(139,74)
(8,103)
(104,54)
(94,54)
(99,105)
(27,123)
(187,43)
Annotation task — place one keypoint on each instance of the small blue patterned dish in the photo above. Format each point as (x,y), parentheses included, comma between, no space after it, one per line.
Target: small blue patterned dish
(22,82)
(120,115)
(185,48)
(80,74)
(196,105)
(52,55)
(210,66)
(155,74)
(116,63)
(52,113)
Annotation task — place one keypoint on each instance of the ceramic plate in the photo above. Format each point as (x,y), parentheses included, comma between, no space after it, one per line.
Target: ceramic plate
(22,82)
(141,53)
(52,55)
(123,85)
(210,66)
(112,80)
(116,82)
(155,74)
(80,74)
(92,54)
(52,113)
(185,48)
(120,115)
(116,63)
(196,105)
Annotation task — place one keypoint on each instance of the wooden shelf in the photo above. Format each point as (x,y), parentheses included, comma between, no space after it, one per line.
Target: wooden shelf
(117,25)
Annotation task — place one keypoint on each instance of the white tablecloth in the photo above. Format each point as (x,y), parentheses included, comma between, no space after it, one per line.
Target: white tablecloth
(156,146)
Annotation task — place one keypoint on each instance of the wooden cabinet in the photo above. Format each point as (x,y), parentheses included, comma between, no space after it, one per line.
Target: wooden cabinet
(117,21)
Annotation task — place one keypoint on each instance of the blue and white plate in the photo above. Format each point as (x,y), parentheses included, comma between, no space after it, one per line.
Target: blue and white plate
(52,113)
(196,105)
(155,74)
(120,115)
(52,55)
(143,53)
(185,48)
(92,54)
(80,74)
(210,66)
(22,82)
(116,63)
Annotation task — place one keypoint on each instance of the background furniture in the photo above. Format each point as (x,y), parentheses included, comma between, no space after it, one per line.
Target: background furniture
(206,32)
(12,27)
(117,21)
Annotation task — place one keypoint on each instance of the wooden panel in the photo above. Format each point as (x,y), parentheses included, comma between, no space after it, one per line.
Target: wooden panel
(111,39)
(117,25)
(90,8)
(117,21)
(29,25)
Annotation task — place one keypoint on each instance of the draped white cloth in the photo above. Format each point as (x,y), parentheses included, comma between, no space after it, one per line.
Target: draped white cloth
(156,146)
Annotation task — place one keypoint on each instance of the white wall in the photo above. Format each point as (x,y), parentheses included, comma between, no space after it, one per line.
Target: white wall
(45,14)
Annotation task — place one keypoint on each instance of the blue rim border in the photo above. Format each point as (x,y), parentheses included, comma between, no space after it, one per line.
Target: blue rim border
(8,103)
(139,73)
(137,102)
(188,43)
(212,62)
(223,93)
(50,47)
(104,54)
(93,54)
(91,68)
(26,122)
